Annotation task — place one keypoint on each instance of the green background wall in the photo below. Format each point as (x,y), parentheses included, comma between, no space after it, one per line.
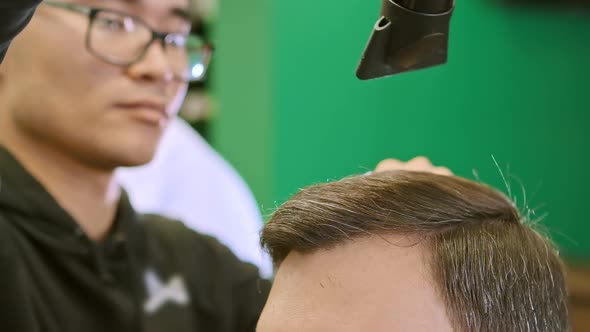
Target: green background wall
(517,86)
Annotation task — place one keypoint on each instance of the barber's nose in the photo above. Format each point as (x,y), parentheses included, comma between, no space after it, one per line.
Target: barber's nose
(154,66)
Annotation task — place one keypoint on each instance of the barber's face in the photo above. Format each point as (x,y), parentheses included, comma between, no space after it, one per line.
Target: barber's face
(59,93)
(365,285)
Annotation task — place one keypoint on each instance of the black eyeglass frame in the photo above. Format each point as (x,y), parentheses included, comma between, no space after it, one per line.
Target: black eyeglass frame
(92,12)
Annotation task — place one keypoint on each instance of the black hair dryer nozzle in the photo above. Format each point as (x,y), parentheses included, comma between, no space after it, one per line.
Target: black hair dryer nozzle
(409,35)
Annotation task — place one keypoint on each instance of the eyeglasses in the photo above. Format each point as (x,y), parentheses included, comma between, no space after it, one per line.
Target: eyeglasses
(122,39)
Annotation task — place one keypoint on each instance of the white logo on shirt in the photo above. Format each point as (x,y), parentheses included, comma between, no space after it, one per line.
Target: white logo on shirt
(159,293)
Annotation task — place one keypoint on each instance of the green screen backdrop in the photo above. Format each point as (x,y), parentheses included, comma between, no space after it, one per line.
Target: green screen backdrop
(516,88)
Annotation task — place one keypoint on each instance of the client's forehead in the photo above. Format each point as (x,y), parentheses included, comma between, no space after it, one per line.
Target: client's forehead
(370,284)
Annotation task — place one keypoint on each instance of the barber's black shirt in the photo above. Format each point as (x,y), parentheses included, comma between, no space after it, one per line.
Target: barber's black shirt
(149,274)
(14,15)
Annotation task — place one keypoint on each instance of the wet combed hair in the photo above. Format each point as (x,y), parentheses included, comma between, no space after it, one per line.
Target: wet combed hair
(493,271)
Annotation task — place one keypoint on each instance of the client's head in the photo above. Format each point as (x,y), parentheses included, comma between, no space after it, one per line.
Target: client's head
(405,251)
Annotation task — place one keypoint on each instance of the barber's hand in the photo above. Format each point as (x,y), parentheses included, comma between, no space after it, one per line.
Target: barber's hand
(418,164)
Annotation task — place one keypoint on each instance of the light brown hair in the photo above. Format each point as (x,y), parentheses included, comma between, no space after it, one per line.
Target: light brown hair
(493,271)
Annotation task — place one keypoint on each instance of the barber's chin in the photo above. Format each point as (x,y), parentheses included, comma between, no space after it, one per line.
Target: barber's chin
(138,160)
(137,156)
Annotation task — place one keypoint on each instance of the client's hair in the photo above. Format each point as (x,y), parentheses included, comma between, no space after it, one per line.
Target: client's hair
(493,271)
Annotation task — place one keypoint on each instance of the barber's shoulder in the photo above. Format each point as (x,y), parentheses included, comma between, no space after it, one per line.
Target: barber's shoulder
(7,243)
(172,228)
(183,240)
(193,250)
(221,284)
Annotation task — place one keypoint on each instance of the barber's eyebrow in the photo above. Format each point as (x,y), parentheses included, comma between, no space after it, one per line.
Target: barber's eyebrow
(181,13)
(178,12)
